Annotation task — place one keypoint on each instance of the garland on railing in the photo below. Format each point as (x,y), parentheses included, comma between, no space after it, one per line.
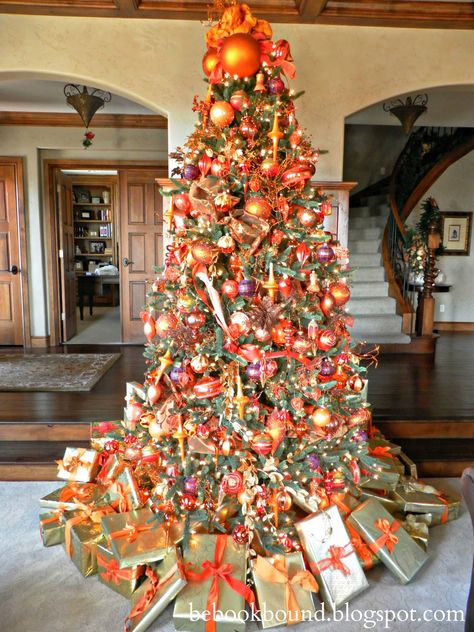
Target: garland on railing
(416,239)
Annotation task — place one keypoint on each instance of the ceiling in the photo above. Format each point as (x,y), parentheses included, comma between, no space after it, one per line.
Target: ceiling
(448,106)
(48,96)
(398,13)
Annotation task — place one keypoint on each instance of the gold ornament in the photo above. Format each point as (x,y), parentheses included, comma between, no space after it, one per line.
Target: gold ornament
(240,55)
(275,135)
(271,285)
(222,114)
(240,400)
(210,61)
(260,84)
(180,436)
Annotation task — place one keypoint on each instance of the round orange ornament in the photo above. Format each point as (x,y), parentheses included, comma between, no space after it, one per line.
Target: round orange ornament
(355,383)
(340,293)
(222,113)
(210,61)
(165,323)
(321,417)
(203,251)
(283,500)
(240,55)
(258,207)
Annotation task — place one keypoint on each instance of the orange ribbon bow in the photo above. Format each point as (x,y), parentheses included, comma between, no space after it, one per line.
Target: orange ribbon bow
(218,571)
(114,574)
(73,463)
(76,491)
(360,547)
(130,531)
(334,561)
(337,499)
(381,450)
(155,585)
(277,573)
(388,537)
(87,513)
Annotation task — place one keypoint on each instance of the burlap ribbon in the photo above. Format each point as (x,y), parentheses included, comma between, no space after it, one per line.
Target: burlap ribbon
(156,584)
(334,560)
(388,537)
(113,574)
(218,571)
(277,573)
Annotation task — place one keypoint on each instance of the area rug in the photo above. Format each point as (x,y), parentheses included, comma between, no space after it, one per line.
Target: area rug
(54,372)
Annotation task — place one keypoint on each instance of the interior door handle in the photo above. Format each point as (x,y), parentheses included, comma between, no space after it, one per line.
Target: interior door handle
(126,262)
(14,270)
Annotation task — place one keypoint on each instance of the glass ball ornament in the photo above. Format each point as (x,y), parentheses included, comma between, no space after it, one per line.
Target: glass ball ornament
(210,61)
(165,323)
(230,288)
(321,416)
(262,443)
(226,244)
(340,293)
(240,55)
(240,322)
(195,319)
(247,288)
(227,446)
(190,484)
(207,388)
(182,203)
(326,339)
(269,167)
(232,483)
(239,100)
(199,363)
(188,502)
(327,367)
(248,127)
(240,534)
(262,335)
(203,251)
(191,172)
(254,371)
(283,500)
(258,207)
(221,114)
(271,368)
(307,217)
(355,383)
(324,253)
(153,393)
(276,85)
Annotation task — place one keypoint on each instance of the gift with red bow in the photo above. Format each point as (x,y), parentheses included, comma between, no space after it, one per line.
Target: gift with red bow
(164,581)
(123,580)
(331,556)
(136,537)
(216,593)
(388,540)
(78,464)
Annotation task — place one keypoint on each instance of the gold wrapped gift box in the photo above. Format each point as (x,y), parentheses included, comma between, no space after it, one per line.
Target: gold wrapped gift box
(194,605)
(122,580)
(52,525)
(387,538)
(418,497)
(163,583)
(331,556)
(136,538)
(284,589)
(125,492)
(78,464)
(73,495)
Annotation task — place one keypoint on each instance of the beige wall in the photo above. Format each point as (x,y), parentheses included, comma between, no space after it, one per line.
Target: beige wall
(454,191)
(34,144)
(158,64)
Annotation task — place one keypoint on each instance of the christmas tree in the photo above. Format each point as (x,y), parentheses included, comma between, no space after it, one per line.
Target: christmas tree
(252,388)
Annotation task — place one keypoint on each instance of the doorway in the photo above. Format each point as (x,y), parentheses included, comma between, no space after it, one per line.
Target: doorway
(105,228)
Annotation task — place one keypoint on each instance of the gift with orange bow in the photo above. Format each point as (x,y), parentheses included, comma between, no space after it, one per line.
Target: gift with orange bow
(122,580)
(78,464)
(331,556)
(388,540)
(284,589)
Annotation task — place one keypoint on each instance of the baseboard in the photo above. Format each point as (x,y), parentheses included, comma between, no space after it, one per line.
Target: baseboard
(453,326)
(40,341)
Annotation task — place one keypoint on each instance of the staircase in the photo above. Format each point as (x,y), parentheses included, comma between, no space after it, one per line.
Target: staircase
(374,311)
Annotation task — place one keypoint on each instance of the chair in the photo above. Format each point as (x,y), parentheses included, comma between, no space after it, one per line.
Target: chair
(86,287)
(467,488)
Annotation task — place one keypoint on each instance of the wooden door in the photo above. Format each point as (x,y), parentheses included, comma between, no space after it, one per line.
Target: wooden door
(141,245)
(13,291)
(67,272)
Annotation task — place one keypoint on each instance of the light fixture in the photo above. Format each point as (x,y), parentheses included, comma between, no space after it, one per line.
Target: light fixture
(408,111)
(86,101)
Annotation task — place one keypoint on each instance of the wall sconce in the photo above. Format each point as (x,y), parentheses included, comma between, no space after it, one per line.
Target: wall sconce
(407,112)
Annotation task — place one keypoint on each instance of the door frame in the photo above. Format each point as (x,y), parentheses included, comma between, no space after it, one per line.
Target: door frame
(18,164)
(49,168)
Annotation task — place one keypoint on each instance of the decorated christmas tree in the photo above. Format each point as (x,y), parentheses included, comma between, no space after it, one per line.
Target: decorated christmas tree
(250,416)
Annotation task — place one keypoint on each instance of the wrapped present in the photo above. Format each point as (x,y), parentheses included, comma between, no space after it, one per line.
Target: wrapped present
(410,466)
(103,431)
(304,500)
(136,538)
(345,502)
(123,580)
(380,479)
(391,463)
(214,597)
(452,507)
(283,583)
(135,390)
(415,496)
(78,464)
(110,469)
(388,540)
(73,495)
(331,556)
(52,526)
(381,447)
(124,492)
(82,535)
(417,526)
(366,556)
(383,497)
(161,586)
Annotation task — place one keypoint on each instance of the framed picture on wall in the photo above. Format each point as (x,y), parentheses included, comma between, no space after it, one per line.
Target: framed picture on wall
(456,233)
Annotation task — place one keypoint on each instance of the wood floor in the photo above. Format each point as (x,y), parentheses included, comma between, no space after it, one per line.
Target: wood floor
(425,405)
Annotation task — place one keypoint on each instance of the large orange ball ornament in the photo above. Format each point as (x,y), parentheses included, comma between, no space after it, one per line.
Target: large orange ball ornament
(240,55)
(258,207)
(222,113)
(210,61)
(321,417)
(203,251)
(340,292)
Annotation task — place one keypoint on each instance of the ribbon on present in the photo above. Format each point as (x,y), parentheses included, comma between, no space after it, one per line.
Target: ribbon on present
(113,574)
(73,463)
(381,450)
(86,513)
(130,531)
(360,547)
(56,517)
(74,491)
(388,537)
(218,571)
(122,503)
(277,573)
(334,560)
(104,427)
(156,584)
(337,499)
(104,475)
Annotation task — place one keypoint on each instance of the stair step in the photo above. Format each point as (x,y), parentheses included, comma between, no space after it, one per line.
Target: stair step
(381,198)
(370,260)
(379,210)
(372,306)
(386,324)
(363,274)
(439,458)
(32,460)
(355,234)
(380,338)
(366,222)
(364,246)
(375,288)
